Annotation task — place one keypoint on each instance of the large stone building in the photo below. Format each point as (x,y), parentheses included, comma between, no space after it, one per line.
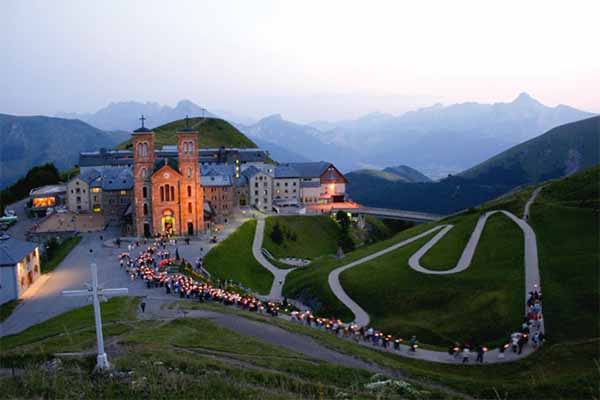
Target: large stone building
(168,196)
(179,188)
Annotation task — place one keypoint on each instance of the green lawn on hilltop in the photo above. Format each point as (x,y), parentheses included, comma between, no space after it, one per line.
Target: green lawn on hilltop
(180,358)
(314,236)
(212,133)
(233,259)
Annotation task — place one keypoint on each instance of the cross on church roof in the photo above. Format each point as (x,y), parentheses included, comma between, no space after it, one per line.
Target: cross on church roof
(142,118)
(187,121)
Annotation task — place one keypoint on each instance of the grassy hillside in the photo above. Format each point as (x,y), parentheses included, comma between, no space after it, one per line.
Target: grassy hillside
(212,133)
(566,220)
(304,236)
(452,307)
(180,358)
(232,259)
(560,151)
(483,303)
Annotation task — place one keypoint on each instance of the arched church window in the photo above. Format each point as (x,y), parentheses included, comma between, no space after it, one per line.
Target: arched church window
(189,190)
(145,209)
(172,193)
(189,172)
(190,207)
(144,192)
(162,193)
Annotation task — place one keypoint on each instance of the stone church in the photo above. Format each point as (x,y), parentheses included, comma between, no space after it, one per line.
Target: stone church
(167,192)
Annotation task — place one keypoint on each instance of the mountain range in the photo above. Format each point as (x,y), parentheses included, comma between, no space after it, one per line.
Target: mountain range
(436,140)
(300,142)
(29,141)
(124,115)
(439,140)
(560,152)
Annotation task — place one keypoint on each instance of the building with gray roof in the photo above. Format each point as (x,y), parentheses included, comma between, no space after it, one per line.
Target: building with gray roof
(19,267)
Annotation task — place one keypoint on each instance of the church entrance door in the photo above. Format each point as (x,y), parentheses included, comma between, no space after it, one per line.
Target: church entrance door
(168,222)
(190,227)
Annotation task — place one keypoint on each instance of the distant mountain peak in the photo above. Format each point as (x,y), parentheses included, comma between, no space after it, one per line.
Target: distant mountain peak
(525,98)
(273,117)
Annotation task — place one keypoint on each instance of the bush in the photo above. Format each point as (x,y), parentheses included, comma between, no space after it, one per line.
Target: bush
(277,235)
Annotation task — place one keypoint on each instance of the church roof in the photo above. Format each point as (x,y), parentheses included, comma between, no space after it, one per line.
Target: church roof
(170,161)
(142,129)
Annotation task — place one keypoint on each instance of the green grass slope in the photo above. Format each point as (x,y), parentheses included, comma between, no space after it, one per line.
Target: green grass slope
(212,133)
(181,358)
(233,259)
(484,303)
(558,152)
(314,236)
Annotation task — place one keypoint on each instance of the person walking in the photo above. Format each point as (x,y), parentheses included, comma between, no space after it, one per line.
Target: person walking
(413,343)
(466,353)
(480,352)
(143,306)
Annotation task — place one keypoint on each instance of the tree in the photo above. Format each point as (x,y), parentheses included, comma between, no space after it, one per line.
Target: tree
(277,234)
(343,219)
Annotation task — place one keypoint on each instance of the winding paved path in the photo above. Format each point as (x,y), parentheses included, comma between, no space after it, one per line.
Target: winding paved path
(532,275)
(360,316)
(278,274)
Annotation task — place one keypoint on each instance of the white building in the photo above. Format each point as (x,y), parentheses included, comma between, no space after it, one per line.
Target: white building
(19,267)
(260,188)
(286,186)
(320,182)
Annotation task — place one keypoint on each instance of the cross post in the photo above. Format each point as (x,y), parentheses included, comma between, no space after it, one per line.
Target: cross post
(142,118)
(96,292)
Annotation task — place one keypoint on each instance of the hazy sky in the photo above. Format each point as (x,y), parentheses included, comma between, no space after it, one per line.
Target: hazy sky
(307,60)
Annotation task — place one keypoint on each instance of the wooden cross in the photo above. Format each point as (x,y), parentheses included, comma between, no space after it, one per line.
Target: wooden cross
(96,292)
(142,118)
(187,121)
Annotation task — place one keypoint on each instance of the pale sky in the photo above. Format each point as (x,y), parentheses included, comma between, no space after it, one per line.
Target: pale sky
(307,60)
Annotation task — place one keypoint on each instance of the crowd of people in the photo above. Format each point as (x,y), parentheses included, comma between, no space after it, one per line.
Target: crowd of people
(150,265)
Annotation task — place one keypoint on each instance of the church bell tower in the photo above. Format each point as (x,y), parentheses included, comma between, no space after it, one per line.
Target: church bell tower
(192,196)
(143,165)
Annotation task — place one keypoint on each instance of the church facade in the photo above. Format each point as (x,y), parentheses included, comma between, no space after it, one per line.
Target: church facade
(167,192)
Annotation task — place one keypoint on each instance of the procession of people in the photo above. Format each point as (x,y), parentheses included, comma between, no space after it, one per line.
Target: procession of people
(150,265)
